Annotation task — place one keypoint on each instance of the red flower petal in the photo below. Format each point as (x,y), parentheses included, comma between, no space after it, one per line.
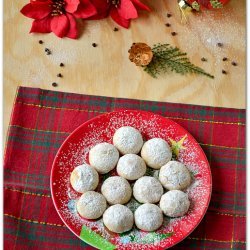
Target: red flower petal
(40,2)
(102,7)
(71,5)
(118,19)
(85,9)
(36,11)
(72,33)
(140,5)
(127,10)
(41,26)
(60,25)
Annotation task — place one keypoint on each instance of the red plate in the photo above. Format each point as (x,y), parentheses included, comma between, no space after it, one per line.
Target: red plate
(74,151)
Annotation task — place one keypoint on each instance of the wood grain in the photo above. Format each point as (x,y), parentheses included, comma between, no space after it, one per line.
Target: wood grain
(106,70)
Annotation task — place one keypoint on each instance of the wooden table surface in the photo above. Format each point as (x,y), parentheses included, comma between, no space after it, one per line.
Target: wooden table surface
(105,70)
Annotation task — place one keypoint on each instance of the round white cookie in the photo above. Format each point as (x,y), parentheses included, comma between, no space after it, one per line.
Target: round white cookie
(131,167)
(174,203)
(147,189)
(91,205)
(116,190)
(175,176)
(148,217)
(156,152)
(128,140)
(84,178)
(103,157)
(118,218)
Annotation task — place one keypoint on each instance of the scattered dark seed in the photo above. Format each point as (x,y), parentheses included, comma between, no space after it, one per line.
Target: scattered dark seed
(116,29)
(203,59)
(48,52)
(224,72)
(59,75)
(94,45)
(133,43)
(220,44)
(54,84)
(40,41)
(169,15)
(224,59)
(173,33)
(61,65)
(168,24)
(234,64)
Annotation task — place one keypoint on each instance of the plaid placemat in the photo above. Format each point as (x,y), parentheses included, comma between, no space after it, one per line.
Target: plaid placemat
(42,119)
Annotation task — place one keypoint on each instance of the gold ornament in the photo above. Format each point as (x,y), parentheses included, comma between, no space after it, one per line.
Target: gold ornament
(185,10)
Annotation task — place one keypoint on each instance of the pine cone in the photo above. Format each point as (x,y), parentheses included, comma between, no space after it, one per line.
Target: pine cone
(140,54)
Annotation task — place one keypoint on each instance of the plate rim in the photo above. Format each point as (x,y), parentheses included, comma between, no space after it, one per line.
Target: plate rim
(119,111)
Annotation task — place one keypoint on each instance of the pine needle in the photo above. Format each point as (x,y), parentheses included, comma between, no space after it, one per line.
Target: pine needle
(167,58)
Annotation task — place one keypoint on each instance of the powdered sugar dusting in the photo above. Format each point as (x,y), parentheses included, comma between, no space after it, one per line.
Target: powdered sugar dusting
(75,152)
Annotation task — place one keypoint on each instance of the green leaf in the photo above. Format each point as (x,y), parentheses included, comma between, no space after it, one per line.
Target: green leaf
(129,234)
(169,58)
(95,239)
(105,176)
(133,204)
(166,235)
(132,237)
(153,237)
(149,171)
(193,173)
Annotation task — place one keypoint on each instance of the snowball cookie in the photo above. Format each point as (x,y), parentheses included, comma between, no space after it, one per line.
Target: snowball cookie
(147,189)
(84,178)
(174,175)
(118,218)
(131,167)
(156,152)
(91,205)
(103,157)
(174,203)
(148,217)
(128,140)
(116,190)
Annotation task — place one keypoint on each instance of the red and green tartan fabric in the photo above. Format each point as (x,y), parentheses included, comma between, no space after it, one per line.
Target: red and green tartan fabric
(42,119)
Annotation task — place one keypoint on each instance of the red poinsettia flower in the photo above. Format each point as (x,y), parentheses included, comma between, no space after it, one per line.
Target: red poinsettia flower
(58,16)
(121,11)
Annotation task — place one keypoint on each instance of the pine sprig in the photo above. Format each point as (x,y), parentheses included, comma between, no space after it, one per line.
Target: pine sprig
(167,58)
